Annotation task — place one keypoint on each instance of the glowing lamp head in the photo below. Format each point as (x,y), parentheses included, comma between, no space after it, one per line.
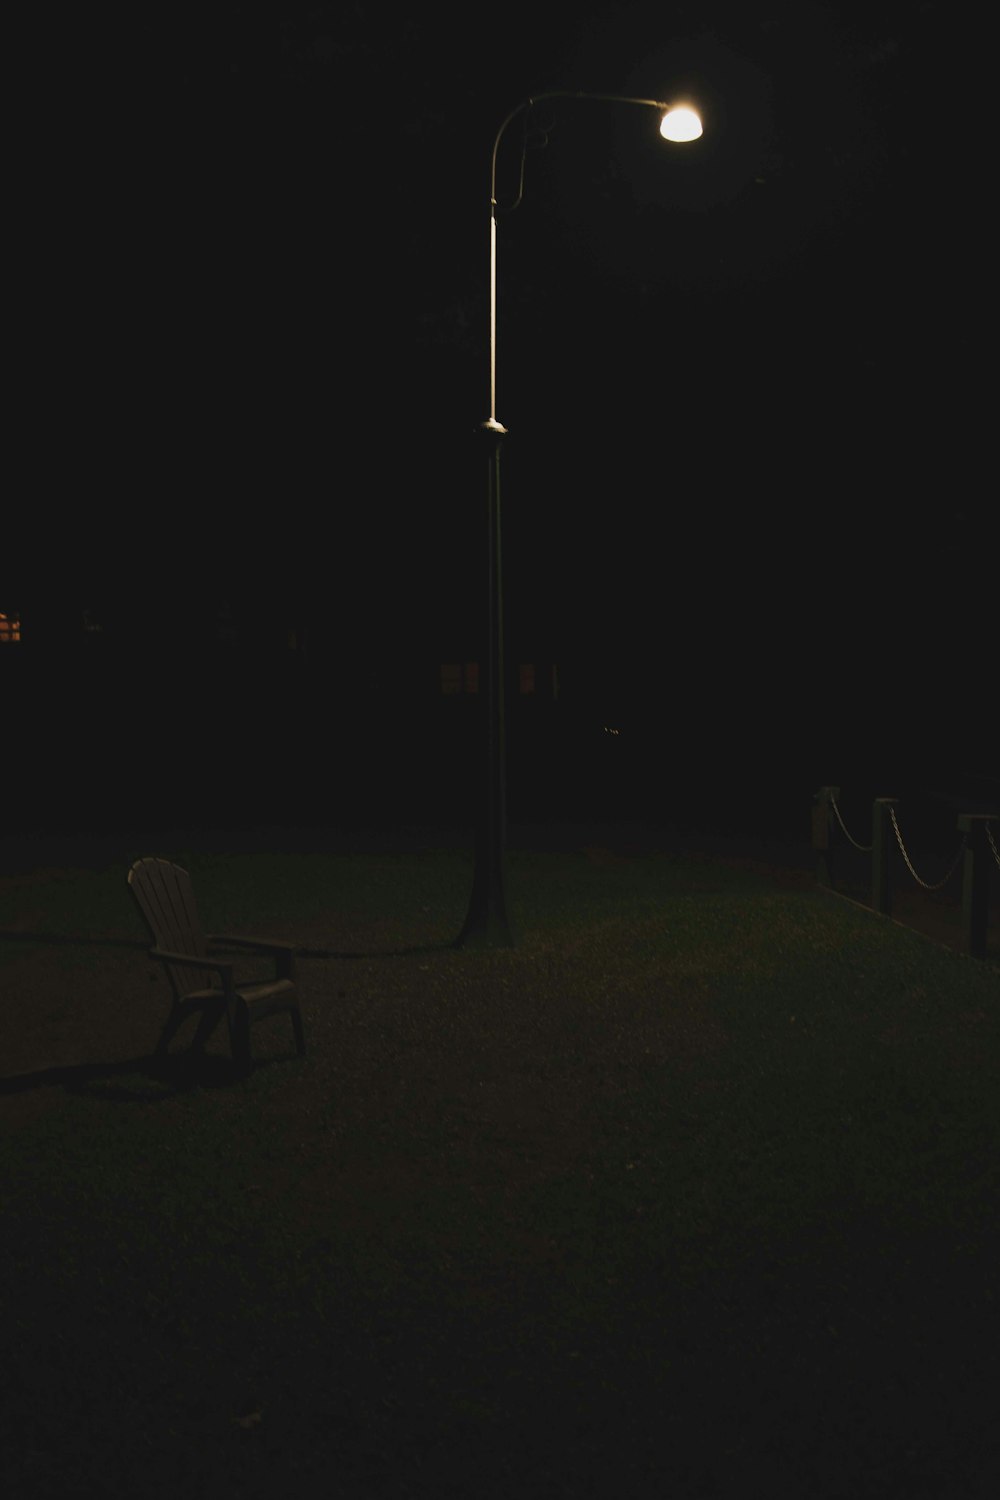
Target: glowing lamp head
(680,123)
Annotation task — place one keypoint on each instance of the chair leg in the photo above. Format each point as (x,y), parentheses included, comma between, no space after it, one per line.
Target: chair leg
(210,1018)
(169,1031)
(300,1036)
(240,1032)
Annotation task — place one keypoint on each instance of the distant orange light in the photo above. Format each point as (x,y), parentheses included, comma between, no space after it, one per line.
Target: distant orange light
(10,628)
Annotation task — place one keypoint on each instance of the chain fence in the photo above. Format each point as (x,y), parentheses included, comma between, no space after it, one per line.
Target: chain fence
(926,885)
(864,848)
(996,853)
(977,832)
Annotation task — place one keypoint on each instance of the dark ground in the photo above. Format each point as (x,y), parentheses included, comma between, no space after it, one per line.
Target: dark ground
(516,1225)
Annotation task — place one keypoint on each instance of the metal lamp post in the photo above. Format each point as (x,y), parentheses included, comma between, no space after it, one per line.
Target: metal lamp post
(487,923)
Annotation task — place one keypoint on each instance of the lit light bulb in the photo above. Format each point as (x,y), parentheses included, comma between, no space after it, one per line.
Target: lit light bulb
(681,123)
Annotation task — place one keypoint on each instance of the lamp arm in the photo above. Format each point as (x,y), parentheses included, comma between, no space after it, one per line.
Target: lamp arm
(492,424)
(557,94)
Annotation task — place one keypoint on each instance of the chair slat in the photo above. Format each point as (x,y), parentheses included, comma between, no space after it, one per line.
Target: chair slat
(166,899)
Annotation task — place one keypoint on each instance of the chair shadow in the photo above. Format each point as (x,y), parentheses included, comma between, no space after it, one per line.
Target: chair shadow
(145,1079)
(162,1075)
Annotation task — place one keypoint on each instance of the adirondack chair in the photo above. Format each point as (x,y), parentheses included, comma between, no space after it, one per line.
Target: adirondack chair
(202,983)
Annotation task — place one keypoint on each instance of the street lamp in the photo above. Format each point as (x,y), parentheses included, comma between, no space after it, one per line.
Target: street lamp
(487,923)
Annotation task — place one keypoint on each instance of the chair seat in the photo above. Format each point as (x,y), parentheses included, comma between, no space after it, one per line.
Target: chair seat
(267,990)
(254,994)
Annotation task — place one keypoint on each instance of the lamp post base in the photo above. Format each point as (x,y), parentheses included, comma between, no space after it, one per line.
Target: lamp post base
(487,924)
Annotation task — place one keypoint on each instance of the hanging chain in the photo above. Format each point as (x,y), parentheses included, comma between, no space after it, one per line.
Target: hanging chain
(902,850)
(865,848)
(993,846)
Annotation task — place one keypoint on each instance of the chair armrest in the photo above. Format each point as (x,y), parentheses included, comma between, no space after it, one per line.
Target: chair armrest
(263,945)
(282,953)
(191,961)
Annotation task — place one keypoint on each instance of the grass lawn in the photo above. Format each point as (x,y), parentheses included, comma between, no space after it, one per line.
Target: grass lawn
(693,1194)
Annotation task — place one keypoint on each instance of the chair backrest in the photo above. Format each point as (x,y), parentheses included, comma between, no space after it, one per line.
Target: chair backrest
(165,896)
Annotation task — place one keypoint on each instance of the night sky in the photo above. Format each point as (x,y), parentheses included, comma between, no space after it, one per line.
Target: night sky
(744,478)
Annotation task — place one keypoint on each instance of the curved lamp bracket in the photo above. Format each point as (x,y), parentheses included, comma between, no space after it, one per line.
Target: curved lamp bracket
(526,104)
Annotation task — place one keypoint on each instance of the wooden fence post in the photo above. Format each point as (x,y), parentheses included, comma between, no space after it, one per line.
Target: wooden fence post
(881,849)
(822,822)
(975,881)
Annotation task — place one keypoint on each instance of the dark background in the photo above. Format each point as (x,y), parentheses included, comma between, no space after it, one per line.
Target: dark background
(747,495)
